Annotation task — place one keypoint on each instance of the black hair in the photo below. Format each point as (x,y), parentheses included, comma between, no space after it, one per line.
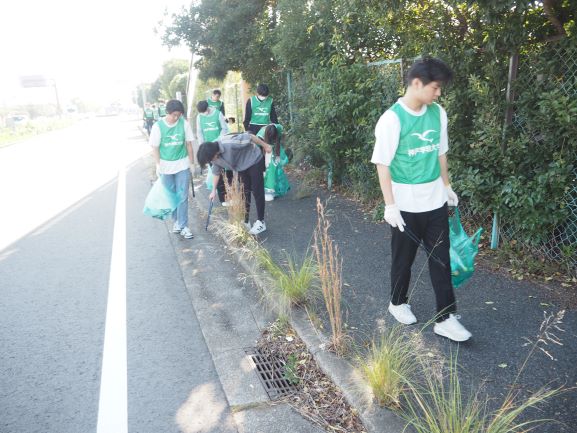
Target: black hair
(202,106)
(206,152)
(430,69)
(262,89)
(174,105)
(272,137)
(216,92)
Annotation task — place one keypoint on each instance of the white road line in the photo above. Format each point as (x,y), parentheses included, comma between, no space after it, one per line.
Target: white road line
(113,404)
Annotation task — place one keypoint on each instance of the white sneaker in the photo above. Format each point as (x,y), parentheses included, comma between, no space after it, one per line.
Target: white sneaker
(176,228)
(452,329)
(258,227)
(402,313)
(268,197)
(225,203)
(186,233)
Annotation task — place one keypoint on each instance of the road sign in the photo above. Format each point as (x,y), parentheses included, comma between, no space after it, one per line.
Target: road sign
(34,81)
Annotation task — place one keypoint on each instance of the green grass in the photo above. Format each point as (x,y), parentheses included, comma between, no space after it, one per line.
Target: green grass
(440,405)
(388,365)
(293,282)
(10,136)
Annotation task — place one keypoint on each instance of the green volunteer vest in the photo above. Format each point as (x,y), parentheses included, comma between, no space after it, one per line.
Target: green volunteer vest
(260,110)
(148,113)
(417,157)
(172,141)
(210,125)
(162,110)
(214,104)
(278,126)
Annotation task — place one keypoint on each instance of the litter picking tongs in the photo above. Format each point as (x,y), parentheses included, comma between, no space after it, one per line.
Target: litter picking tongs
(416,240)
(209,212)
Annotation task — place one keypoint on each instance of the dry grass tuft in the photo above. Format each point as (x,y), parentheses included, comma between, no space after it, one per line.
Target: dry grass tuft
(330,275)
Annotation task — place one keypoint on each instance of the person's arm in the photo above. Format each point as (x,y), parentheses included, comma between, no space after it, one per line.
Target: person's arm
(452,198)
(154,142)
(190,153)
(386,183)
(223,125)
(247,114)
(222,110)
(199,134)
(444,169)
(387,134)
(265,146)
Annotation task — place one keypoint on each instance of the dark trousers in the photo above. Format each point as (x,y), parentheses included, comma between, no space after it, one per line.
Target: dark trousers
(253,182)
(254,128)
(220,188)
(433,229)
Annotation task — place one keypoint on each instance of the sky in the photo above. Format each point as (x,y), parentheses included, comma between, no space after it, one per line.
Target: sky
(96,50)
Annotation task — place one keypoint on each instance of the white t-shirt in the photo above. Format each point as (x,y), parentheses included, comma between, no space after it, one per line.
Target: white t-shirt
(170,167)
(414,198)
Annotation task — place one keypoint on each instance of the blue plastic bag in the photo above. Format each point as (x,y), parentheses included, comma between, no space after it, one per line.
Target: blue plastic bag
(463,250)
(208,181)
(160,201)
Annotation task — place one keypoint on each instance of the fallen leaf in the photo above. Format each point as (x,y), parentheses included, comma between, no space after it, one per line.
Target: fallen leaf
(503,365)
(289,338)
(489,302)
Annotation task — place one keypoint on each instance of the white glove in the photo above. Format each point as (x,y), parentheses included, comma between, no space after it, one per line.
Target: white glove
(452,199)
(157,171)
(393,216)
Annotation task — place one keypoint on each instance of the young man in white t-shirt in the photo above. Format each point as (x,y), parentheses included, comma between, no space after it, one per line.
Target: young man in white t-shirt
(410,155)
(171,140)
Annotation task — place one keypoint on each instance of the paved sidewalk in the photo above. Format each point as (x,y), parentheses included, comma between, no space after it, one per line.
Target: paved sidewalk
(231,318)
(501,313)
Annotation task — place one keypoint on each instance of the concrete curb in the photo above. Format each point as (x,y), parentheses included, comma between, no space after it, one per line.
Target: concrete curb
(357,393)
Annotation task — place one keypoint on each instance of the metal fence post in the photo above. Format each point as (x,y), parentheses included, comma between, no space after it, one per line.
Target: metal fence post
(290,97)
(510,97)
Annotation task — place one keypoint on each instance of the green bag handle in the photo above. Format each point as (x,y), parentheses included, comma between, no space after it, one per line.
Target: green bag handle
(455,220)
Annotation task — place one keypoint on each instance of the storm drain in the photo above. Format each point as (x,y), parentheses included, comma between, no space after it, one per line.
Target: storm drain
(271,372)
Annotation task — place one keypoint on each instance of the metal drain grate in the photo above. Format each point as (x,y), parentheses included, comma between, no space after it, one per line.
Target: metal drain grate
(271,372)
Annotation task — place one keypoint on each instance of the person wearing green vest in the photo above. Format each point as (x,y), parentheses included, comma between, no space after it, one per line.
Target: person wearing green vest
(259,110)
(171,141)
(155,112)
(210,125)
(242,153)
(276,182)
(410,154)
(161,109)
(215,102)
(148,117)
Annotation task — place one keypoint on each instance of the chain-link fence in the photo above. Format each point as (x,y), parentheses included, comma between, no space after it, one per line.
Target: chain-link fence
(555,63)
(553,66)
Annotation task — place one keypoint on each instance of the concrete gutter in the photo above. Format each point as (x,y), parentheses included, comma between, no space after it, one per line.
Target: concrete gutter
(342,372)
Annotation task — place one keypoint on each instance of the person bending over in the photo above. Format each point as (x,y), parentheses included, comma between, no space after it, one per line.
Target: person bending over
(241,153)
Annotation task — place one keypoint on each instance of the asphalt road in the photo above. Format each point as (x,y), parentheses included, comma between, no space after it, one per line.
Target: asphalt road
(97,332)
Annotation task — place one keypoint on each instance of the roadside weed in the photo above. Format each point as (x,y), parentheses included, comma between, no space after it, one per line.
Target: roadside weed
(388,364)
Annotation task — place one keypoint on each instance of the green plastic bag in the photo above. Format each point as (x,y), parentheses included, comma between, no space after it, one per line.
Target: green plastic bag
(160,201)
(463,250)
(270,177)
(275,180)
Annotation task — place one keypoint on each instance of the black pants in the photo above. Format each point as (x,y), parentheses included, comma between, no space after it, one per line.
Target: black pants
(433,229)
(254,128)
(253,182)
(220,188)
